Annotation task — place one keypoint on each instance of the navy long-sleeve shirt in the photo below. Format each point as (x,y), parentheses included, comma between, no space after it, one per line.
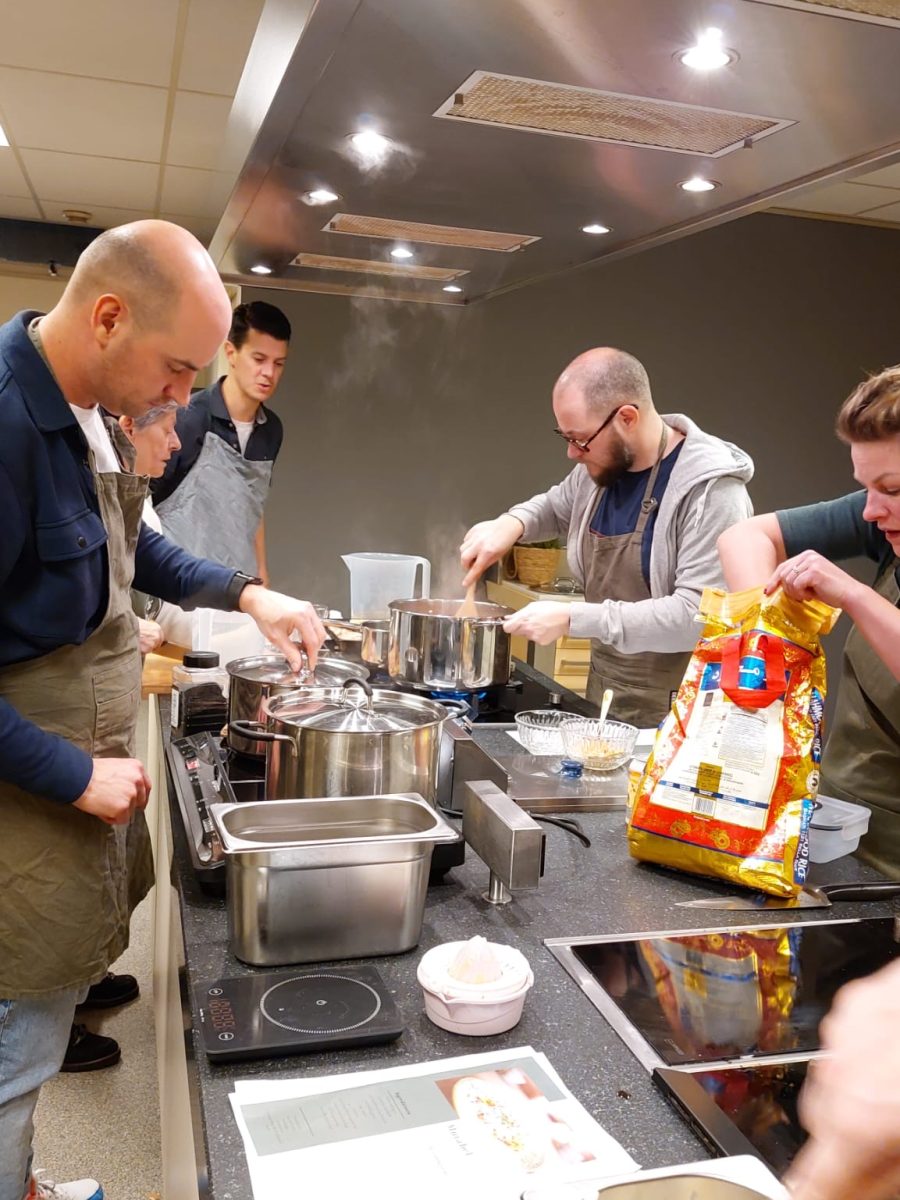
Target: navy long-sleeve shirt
(54,569)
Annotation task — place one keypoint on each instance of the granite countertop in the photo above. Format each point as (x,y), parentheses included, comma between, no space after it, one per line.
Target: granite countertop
(585,891)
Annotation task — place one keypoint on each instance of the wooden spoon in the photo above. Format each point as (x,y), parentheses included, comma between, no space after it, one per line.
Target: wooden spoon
(469,607)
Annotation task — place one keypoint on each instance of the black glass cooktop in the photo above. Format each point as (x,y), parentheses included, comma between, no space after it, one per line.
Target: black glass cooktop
(296,1012)
(725,996)
(742,1110)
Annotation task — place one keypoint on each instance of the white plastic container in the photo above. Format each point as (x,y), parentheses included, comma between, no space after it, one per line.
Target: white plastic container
(835,829)
(377,579)
(477,1009)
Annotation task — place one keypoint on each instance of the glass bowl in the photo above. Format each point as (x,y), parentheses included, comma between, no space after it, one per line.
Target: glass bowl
(541,730)
(601,746)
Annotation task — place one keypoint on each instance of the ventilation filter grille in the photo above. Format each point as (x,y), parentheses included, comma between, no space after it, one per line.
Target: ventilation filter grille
(366,266)
(876,12)
(437,235)
(557,108)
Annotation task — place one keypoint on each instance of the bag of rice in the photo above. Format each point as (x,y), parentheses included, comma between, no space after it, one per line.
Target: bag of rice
(728,789)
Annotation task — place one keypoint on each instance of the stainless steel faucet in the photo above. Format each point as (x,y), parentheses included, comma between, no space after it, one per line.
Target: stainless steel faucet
(506,839)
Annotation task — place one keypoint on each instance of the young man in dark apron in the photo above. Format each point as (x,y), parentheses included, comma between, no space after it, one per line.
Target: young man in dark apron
(211,496)
(640,512)
(861,762)
(142,311)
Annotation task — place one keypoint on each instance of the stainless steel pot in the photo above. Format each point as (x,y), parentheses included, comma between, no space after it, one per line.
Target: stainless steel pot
(253,680)
(350,741)
(375,642)
(433,647)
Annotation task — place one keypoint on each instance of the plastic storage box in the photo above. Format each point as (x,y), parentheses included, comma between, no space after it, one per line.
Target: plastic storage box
(835,829)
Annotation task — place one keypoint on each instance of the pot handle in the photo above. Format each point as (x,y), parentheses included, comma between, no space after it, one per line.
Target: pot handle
(360,683)
(256,731)
(456,709)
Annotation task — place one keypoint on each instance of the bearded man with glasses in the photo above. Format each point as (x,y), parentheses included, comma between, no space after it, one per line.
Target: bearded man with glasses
(641,512)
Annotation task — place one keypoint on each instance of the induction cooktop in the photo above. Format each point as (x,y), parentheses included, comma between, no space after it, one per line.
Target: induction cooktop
(710,998)
(296,1012)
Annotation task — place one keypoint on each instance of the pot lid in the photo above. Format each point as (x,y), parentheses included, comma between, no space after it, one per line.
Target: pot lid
(349,709)
(273,669)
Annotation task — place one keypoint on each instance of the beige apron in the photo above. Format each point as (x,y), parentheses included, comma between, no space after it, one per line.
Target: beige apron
(68,881)
(643,683)
(862,754)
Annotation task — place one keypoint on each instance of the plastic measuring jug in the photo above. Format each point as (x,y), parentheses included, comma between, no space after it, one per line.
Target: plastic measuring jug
(377,579)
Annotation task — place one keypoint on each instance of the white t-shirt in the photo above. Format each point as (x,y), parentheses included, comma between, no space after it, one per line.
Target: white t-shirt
(243,429)
(98,439)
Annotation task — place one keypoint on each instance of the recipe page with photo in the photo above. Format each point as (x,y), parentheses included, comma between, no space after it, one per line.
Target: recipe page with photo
(479,1131)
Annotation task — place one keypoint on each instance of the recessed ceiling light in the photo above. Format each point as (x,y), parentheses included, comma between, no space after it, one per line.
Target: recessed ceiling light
(370,145)
(709,54)
(261,269)
(4,140)
(320,196)
(698,184)
(401,252)
(595,228)
(452,287)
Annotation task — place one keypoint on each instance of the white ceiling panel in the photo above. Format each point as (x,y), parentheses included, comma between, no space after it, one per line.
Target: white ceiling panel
(21,207)
(198,130)
(883,177)
(216,44)
(12,181)
(195,193)
(81,179)
(82,116)
(842,199)
(890,212)
(101,216)
(106,38)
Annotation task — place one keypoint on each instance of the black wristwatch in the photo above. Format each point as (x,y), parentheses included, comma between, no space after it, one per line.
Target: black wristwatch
(239,581)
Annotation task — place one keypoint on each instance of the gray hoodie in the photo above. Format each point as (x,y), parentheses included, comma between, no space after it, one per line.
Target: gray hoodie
(705,495)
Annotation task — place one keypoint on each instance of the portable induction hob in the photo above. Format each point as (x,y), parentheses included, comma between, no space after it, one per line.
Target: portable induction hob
(296,1012)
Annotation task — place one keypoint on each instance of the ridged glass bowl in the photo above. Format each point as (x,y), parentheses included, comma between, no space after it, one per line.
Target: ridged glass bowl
(541,730)
(599,745)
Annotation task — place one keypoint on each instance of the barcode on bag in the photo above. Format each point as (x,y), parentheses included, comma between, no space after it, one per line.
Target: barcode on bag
(705,806)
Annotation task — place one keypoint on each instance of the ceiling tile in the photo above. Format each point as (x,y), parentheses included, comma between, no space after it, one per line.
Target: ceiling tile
(890,212)
(80,179)
(844,199)
(195,193)
(105,38)
(216,43)
(82,116)
(883,177)
(198,130)
(103,218)
(12,181)
(201,227)
(20,207)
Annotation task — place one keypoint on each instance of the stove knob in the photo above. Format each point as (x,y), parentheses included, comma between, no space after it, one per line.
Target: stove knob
(555,699)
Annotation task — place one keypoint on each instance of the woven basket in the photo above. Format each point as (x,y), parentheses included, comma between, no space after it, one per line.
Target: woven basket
(534,566)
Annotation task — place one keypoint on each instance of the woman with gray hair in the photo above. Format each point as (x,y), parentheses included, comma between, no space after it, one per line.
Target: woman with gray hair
(154,440)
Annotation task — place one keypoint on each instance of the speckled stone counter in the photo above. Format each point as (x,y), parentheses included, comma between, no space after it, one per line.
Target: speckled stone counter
(585,891)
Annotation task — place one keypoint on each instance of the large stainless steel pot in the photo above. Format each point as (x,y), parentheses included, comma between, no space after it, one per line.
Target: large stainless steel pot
(434,648)
(350,741)
(253,680)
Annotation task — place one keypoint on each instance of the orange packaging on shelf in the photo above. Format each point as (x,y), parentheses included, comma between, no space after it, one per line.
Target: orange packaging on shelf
(729,787)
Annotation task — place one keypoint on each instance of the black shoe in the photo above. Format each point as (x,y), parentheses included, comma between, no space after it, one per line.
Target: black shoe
(90,1051)
(111,992)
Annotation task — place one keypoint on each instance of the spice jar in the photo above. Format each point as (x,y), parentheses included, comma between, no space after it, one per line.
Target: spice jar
(199,694)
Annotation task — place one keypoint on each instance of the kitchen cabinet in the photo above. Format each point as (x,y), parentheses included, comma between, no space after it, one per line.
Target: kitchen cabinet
(566,660)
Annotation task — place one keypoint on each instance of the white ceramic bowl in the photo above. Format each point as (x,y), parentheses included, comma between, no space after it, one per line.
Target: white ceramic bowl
(477,1009)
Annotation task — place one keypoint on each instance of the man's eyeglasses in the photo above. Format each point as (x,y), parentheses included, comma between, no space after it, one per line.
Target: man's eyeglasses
(584,446)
